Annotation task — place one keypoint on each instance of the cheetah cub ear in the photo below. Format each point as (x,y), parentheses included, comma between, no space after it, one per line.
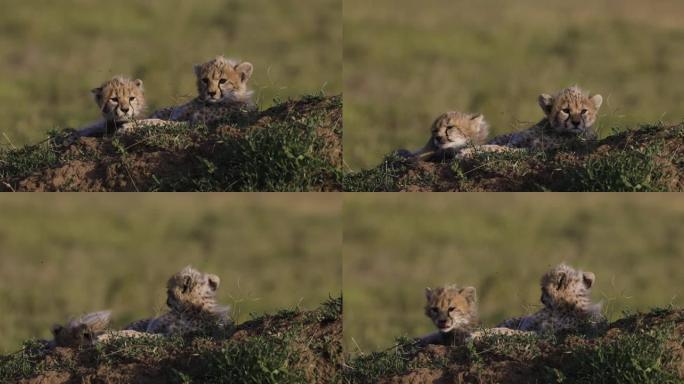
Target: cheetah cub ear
(469,294)
(428,293)
(97,94)
(197,68)
(546,103)
(56,330)
(477,119)
(214,282)
(138,83)
(588,278)
(597,100)
(245,70)
(481,125)
(561,281)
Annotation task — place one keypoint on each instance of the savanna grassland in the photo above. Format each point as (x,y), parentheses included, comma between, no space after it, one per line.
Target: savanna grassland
(395,246)
(67,255)
(53,53)
(495,57)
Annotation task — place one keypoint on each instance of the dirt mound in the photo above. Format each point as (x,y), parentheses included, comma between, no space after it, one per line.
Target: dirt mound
(650,158)
(291,346)
(296,145)
(641,348)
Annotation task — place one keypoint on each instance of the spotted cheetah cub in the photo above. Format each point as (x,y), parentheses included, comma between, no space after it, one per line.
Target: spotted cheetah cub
(451,132)
(567,303)
(222,91)
(122,103)
(453,310)
(569,115)
(81,331)
(191,298)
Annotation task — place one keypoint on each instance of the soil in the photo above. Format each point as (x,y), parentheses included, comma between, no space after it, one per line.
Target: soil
(559,170)
(317,365)
(96,163)
(456,367)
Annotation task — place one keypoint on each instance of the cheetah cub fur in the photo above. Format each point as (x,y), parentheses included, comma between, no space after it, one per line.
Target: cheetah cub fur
(191,298)
(451,132)
(81,331)
(567,303)
(222,92)
(122,103)
(454,312)
(569,115)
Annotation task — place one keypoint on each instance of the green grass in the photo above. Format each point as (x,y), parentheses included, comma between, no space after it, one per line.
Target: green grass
(396,245)
(50,60)
(71,254)
(495,57)
(634,358)
(644,356)
(294,146)
(647,159)
(276,354)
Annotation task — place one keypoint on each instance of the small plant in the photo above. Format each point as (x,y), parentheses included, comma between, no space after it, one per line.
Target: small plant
(294,146)
(635,351)
(645,159)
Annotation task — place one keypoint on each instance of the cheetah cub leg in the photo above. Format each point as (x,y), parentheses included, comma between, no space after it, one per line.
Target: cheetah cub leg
(495,332)
(133,126)
(127,333)
(467,153)
(432,338)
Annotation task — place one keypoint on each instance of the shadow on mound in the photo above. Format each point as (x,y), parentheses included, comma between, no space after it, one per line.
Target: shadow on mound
(650,158)
(291,346)
(640,349)
(293,146)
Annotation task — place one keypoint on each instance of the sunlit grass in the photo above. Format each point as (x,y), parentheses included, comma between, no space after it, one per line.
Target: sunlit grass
(66,255)
(51,58)
(495,57)
(395,246)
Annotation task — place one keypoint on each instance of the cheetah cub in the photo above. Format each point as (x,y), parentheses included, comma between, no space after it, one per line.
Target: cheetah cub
(569,115)
(191,298)
(453,310)
(451,132)
(81,331)
(567,303)
(222,91)
(122,103)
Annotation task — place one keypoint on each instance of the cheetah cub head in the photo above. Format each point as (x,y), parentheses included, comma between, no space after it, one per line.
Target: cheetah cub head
(454,130)
(223,79)
(190,289)
(565,288)
(82,331)
(120,99)
(571,110)
(451,307)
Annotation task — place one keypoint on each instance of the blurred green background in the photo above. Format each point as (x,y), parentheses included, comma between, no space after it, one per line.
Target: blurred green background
(405,62)
(52,53)
(65,255)
(396,245)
